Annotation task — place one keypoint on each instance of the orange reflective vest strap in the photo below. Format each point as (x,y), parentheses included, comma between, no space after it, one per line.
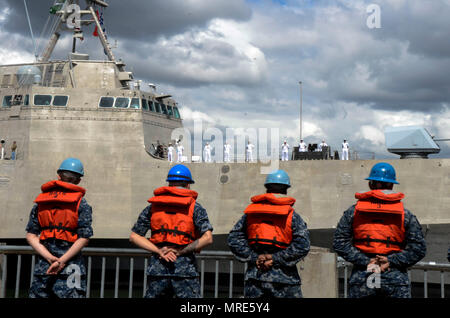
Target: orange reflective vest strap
(378,222)
(58,210)
(172,216)
(269,220)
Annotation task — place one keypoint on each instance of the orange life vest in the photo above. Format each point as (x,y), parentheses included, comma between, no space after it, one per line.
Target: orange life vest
(172,214)
(58,210)
(269,220)
(378,222)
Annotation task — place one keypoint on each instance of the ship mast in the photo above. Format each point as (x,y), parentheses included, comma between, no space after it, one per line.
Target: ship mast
(64,14)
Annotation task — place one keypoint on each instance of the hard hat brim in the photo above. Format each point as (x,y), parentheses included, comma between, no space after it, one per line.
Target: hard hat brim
(382,180)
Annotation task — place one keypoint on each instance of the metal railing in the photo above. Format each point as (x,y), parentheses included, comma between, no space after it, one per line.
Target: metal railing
(423,266)
(213,265)
(216,258)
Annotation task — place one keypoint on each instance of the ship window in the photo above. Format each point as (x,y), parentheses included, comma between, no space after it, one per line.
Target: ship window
(151,105)
(169,110)
(144,104)
(135,103)
(7,101)
(60,100)
(42,100)
(106,102)
(176,112)
(157,107)
(122,102)
(164,109)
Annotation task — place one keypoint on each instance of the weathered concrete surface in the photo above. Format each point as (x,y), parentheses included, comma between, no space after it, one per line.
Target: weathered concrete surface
(318,271)
(119,182)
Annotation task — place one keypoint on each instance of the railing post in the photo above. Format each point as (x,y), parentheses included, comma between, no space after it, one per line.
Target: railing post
(4,266)
(202,278)
(88,287)
(216,281)
(425,283)
(18,268)
(130,287)
(116,283)
(230,288)
(102,282)
(144,288)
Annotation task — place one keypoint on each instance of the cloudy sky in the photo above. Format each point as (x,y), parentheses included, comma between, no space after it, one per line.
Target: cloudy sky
(238,63)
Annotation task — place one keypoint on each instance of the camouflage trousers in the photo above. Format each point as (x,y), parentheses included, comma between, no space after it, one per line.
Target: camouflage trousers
(257,289)
(170,287)
(384,291)
(49,286)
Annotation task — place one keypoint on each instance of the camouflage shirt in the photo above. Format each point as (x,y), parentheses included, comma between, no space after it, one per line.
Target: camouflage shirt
(284,269)
(414,250)
(185,265)
(58,247)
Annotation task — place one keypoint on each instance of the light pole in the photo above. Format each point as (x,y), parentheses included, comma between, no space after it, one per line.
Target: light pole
(301,106)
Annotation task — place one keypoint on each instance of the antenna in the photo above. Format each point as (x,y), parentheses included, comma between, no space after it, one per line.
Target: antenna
(31,30)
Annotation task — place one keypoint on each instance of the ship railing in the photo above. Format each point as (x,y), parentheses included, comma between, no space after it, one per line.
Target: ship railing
(100,261)
(221,275)
(425,267)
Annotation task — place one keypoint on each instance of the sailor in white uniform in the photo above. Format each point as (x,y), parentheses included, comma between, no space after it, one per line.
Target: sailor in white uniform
(345,148)
(170,153)
(207,152)
(226,152)
(285,151)
(180,149)
(302,146)
(321,145)
(249,150)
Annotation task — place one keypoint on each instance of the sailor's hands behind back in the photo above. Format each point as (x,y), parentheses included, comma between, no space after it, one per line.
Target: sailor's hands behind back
(264,262)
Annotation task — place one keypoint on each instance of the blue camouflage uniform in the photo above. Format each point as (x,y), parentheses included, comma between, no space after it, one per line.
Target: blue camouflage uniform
(49,286)
(448,254)
(282,279)
(392,283)
(179,278)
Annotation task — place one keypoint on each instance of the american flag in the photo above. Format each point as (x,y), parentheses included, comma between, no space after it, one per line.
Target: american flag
(100,19)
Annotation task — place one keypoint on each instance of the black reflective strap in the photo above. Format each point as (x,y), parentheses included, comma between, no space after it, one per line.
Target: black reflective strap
(174,232)
(59,228)
(388,242)
(274,241)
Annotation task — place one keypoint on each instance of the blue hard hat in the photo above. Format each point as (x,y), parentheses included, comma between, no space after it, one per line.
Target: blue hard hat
(383,172)
(180,173)
(73,165)
(279,177)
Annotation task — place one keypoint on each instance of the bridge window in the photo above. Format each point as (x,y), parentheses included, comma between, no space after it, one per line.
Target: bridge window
(151,105)
(144,104)
(42,100)
(135,103)
(106,102)
(176,113)
(157,107)
(169,110)
(164,109)
(7,101)
(122,102)
(60,100)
